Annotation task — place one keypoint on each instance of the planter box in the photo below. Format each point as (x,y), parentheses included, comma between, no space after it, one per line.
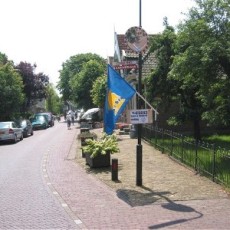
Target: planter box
(98,161)
(84,130)
(82,153)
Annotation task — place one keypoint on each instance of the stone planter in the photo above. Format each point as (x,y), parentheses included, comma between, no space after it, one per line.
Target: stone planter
(98,161)
(84,130)
(82,153)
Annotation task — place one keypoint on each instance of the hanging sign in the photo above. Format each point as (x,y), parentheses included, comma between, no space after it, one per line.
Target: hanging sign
(140,116)
(125,65)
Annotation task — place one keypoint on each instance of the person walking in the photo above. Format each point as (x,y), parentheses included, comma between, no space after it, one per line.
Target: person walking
(68,119)
(72,116)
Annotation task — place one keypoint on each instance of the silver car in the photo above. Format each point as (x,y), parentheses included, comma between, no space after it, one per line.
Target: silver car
(10,131)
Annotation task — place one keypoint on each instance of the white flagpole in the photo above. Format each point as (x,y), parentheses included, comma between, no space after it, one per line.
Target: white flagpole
(146,102)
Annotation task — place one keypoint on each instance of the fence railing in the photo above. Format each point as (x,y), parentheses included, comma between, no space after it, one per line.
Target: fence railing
(205,158)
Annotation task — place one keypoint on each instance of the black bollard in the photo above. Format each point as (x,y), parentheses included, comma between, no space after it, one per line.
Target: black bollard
(114,169)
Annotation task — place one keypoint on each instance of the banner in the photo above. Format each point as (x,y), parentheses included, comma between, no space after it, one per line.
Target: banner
(119,92)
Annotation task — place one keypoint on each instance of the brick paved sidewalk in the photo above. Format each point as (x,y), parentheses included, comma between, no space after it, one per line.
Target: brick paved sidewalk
(163,178)
(172,196)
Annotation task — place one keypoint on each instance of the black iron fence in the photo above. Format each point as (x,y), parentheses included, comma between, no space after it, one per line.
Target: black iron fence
(205,158)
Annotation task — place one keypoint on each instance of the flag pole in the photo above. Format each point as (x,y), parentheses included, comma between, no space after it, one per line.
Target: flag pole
(139,126)
(147,102)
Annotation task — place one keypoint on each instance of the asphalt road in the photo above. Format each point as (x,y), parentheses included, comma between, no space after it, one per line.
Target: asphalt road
(26,202)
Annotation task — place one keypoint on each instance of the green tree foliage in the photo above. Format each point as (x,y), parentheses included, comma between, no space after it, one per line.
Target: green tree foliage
(215,60)
(3,59)
(157,84)
(98,91)
(53,101)
(11,90)
(71,69)
(201,64)
(34,84)
(193,65)
(82,83)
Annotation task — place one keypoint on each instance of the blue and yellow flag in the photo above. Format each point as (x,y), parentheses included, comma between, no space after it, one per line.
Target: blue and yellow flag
(119,93)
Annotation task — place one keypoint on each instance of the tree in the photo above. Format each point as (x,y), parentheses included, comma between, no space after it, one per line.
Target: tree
(215,60)
(193,66)
(34,84)
(98,92)
(3,59)
(157,84)
(201,64)
(53,102)
(82,83)
(11,90)
(71,69)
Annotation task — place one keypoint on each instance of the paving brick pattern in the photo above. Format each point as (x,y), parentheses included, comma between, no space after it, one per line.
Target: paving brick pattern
(26,202)
(172,196)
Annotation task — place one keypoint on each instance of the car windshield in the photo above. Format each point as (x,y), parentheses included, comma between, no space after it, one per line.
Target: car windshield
(40,118)
(47,115)
(23,123)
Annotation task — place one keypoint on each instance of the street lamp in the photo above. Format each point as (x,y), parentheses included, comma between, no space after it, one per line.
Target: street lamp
(139,126)
(137,40)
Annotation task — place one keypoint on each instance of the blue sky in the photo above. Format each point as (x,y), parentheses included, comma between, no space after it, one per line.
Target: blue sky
(48,32)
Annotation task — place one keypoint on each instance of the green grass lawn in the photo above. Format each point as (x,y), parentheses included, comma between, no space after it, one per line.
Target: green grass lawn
(219,140)
(202,156)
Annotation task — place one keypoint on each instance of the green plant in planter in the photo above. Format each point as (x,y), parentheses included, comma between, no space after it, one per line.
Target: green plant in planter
(87,135)
(107,144)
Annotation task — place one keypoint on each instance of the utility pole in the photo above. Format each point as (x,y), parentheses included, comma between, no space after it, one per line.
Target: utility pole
(137,40)
(139,126)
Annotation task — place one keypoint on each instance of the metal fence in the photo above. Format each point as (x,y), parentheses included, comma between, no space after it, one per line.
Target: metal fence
(205,158)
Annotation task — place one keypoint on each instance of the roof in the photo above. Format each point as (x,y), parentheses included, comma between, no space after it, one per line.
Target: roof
(149,60)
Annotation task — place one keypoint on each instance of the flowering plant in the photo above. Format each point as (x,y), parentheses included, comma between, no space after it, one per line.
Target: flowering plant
(107,143)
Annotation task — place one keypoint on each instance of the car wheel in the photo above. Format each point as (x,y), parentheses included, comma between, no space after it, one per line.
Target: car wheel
(21,138)
(15,138)
(32,132)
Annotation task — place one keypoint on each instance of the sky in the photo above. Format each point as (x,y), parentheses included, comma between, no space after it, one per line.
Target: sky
(49,32)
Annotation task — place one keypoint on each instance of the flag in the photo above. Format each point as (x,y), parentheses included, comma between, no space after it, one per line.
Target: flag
(119,92)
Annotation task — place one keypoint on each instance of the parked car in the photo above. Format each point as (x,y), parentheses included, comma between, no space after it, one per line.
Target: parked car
(27,127)
(39,122)
(10,131)
(50,117)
